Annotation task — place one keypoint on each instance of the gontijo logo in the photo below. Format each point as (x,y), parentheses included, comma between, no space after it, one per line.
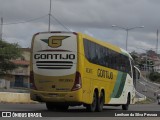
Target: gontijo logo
(54,41)
(54,58)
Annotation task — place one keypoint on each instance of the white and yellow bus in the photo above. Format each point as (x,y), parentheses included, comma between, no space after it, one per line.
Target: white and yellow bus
(70,69)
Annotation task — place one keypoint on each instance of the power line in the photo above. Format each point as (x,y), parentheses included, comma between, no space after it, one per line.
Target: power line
(30,20)
(53,17)
(66,27)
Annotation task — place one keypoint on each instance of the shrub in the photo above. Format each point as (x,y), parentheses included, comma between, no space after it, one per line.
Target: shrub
(154,76)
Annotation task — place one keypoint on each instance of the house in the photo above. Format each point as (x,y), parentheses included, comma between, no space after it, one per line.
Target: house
(19,77)
(157,67)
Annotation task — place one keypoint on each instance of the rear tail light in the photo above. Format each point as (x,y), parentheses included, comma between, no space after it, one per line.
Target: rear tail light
(32,84)
(78,82)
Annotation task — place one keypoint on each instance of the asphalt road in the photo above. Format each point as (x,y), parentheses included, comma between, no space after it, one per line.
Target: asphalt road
(147,88)
(42,107)
(80,113)
(79,110)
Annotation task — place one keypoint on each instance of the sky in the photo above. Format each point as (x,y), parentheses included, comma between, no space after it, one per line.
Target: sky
(92,17)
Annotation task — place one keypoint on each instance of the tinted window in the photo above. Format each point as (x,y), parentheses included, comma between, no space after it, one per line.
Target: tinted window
(100,55)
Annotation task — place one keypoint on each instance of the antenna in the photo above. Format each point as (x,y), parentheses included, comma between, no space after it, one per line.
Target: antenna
(49,15)
(157,43)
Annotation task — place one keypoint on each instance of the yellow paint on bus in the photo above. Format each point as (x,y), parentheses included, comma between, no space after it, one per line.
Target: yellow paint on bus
(63,75)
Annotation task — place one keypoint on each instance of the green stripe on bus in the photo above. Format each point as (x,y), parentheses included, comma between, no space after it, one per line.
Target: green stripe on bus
(119,85)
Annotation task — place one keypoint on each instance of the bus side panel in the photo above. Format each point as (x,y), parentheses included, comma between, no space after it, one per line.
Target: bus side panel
(122,87)
(96,77)
(86,90)
(86,82)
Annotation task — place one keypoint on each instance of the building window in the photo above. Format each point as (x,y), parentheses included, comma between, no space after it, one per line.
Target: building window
(18,81)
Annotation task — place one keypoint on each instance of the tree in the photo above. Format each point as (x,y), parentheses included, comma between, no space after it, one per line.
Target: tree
(154,76)
(8,52)
(135,57)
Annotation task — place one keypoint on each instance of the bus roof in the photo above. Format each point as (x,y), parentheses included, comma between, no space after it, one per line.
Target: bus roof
(109,45)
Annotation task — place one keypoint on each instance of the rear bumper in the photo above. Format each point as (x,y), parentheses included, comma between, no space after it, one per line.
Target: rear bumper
(69,97)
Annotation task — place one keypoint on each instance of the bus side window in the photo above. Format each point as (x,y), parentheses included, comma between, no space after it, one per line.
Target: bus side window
(134,73)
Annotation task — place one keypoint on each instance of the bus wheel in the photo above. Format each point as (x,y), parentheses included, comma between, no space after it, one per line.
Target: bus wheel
(50,106)
(126,106)
(92,107)
(100,102)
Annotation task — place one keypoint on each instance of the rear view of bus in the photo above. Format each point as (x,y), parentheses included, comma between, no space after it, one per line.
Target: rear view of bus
(54,78)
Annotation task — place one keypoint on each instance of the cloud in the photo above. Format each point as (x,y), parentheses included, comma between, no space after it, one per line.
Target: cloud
(93,17)
(88,33)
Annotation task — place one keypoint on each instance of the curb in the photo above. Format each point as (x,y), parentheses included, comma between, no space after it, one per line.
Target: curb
(10,97)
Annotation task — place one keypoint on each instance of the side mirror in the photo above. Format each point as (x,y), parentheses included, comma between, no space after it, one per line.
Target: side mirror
(138,75)
(137,72)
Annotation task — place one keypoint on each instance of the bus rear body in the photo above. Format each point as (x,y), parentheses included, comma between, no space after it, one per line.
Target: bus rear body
(73,69)
(54,73)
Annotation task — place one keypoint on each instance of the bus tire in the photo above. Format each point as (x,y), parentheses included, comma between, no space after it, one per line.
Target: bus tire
(100,102)
(50,106)
(92,107)
(126,106)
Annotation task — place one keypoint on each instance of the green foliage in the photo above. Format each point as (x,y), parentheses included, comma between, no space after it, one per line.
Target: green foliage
(8,52)
(154,76)
(147,101)
(134,56)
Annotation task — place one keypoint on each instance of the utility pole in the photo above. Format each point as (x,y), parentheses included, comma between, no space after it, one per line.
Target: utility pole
(146,62)
(127,30)
(49,15)
(1,29)
(127,39)
(157,42)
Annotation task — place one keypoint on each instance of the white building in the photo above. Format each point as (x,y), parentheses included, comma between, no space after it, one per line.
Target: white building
(157,67)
